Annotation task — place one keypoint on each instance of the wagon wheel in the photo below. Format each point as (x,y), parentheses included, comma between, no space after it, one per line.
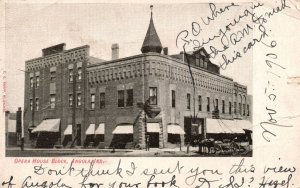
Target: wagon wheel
(217,148)
(234,148)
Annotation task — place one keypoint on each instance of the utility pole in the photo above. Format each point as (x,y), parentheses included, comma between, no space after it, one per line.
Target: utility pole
(193,119)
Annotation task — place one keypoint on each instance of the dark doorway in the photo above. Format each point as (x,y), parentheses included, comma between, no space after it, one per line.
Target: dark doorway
(78,134)
(187,129)
(192,131)
(47,139)
(154,140)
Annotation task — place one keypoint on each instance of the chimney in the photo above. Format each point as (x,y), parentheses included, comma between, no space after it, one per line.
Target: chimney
(114,51)
(19,121)
(165,51)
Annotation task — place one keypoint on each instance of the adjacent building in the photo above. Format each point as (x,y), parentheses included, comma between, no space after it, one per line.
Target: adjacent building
(73,99)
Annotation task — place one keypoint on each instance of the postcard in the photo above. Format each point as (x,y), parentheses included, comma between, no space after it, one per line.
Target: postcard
(99,94)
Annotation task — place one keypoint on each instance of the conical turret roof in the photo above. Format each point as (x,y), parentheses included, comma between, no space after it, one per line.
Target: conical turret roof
(151,42)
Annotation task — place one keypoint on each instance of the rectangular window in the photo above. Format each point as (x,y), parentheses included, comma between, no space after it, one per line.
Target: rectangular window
(217,105)
(79,70)
(244,110)
(52,76)
(234,107)
(92,101)
(173,99)
(199,103)
(121,98)
(52,101)
(31,82)
(37,104)
(78,99)
(188,101)
(153,95)
(70,100)
(240,109)
(223,106)
(31,104)
(102,100)
(208,104)
(37,84)
(129,100)
(229,108)
(71,75)
(248,110)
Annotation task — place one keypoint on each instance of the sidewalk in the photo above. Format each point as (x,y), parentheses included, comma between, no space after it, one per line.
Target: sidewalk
(16,151)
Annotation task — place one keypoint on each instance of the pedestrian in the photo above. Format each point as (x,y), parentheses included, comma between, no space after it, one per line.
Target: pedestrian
(147,142)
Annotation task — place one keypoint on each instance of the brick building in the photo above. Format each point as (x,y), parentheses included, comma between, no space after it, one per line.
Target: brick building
(73,99)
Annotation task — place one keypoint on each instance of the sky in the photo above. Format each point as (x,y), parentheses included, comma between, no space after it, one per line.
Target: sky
(32,27)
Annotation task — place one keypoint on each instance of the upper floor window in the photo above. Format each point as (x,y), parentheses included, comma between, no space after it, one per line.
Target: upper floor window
(208,104)
(70,100)
(229,108)
(199,103)
(37,104)
(102,100)
(217,105)
(153,95)
(240,108)
(78,99)
(121,98)
(235,111)
(223,106)
(31,104)
(205,64)
(52,76)
(248,110)
(71,75)
(129,100)
(52,101)
(188,102)
(173,98)
(79,70)
(244,110)
(37,84)
(92,101)
(31,82)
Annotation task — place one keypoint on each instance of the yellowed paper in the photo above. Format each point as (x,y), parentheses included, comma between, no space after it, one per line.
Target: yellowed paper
(135,58)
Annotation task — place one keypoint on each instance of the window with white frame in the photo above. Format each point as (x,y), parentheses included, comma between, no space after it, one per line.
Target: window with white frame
(37,104)
(78,99)
(153,95)
(52,101)
(93,101)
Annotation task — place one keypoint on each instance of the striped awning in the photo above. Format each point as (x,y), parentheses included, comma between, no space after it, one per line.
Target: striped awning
(48,125)
(123,129)
(68,130)
(227,126)
(100,129)
(90,129)
(175,129)
(153,128)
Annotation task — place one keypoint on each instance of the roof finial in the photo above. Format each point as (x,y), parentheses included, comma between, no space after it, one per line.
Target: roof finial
(151,7)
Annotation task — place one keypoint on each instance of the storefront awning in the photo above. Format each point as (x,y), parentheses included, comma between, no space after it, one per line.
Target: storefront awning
(123,129)
(175,129)
(68,130)
(48,125)
(100,129)
(153,128)
(90,129)
(244,124)
(227,126)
